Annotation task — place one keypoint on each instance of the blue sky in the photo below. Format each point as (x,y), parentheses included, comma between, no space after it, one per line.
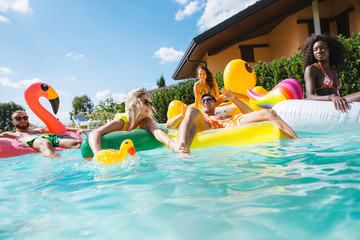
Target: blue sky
(99,48)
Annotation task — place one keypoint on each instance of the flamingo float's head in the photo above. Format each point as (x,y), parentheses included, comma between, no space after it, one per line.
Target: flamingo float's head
(40,89)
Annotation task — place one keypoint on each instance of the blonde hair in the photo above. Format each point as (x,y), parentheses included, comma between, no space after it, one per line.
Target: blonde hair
(133,105)
(16,112)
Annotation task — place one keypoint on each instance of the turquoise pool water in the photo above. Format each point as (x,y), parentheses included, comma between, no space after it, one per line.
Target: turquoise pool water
(292,189)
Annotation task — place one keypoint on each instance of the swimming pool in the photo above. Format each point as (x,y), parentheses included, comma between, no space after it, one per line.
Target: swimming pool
(292,189)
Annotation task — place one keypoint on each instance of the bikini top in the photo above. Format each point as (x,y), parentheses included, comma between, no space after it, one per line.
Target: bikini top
(208,92)
(328,82)
(124,117)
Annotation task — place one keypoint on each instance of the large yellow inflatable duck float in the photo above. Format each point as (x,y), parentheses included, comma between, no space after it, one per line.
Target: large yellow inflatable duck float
(111,156)
(241,79)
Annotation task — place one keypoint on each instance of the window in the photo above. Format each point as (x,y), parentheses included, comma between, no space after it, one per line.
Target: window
(247,51)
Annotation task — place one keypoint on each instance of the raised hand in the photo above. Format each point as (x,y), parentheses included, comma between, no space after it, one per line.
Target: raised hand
(227,93)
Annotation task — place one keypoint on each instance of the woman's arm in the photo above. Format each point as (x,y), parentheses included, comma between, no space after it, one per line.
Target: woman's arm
(95,135)
(229,95)
(197,92)
(163,137)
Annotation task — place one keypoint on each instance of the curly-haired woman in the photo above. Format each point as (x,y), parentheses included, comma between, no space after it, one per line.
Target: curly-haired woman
(323,55)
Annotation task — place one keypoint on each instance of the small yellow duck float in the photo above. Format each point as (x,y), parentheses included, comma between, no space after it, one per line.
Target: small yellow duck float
(111,156)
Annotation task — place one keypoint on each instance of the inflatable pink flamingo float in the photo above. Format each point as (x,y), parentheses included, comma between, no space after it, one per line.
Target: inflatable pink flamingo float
(11,147)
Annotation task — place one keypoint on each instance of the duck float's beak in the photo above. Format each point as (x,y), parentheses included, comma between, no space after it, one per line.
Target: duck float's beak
(52,96)
(127,147)
(132,151)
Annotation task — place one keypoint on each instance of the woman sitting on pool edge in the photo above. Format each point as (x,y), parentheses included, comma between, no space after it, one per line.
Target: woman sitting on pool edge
(138,114)
(206,84)
(323,56)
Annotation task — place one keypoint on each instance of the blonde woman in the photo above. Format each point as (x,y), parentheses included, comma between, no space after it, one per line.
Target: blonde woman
(138,114)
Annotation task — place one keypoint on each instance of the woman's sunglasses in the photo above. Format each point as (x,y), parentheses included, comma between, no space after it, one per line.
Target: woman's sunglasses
(204,100)
(146,102)
(19,118)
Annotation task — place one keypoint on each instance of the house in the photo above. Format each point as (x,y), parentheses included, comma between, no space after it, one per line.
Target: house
(267,30)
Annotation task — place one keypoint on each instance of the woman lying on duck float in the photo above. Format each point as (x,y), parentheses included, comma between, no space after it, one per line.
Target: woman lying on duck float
(193,121)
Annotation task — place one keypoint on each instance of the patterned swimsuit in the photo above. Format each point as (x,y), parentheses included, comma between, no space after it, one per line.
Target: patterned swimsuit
(215,124)
(328,82)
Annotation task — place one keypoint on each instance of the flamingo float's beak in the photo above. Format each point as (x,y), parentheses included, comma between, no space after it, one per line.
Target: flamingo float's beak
(52,96)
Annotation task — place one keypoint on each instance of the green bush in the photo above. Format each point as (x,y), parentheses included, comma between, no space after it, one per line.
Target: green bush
(350,75)
(184,92)
(270,74)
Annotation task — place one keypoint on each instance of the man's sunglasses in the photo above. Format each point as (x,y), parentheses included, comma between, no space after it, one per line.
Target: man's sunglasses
(146,102)
(19,118)
(204,100)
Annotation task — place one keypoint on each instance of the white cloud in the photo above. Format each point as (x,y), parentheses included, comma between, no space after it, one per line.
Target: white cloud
(75,55)
(21,6)
(103,95)
(28,82)
(4,5)
(119,97)
(189,10)
(183,2)
(5,71)
(6,82)
(4,19)
(168,55)
(217,11)
(214,11)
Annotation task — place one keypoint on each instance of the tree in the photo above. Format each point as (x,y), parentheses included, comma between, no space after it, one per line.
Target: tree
(161,82)
(82,104)
(6,109)
(109,105)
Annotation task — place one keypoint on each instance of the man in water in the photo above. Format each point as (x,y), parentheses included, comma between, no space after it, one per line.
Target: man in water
(194,121)
(40,139)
